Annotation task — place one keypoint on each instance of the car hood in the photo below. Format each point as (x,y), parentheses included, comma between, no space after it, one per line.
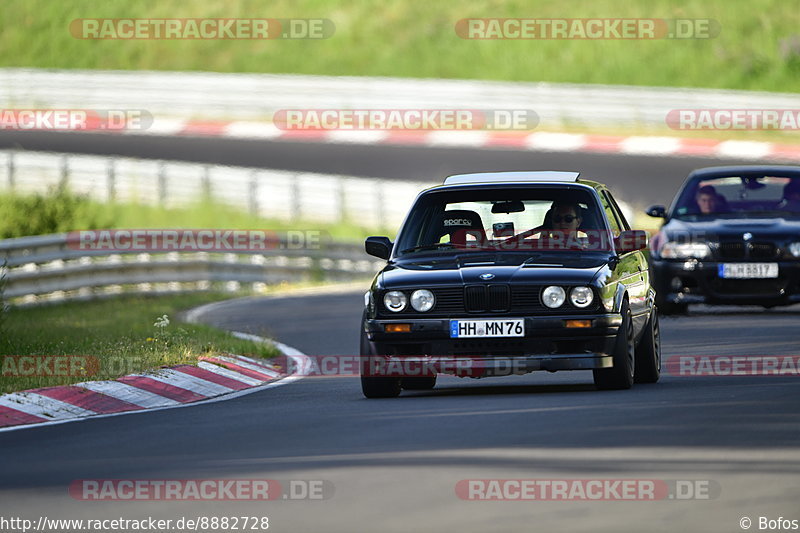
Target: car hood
(772,227)
(417,274)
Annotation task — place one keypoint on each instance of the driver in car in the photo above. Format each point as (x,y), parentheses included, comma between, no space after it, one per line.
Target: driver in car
(565,221)
(707,200)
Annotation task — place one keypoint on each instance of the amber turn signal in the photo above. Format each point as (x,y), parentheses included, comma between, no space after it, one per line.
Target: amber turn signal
(397,328)
(578,323)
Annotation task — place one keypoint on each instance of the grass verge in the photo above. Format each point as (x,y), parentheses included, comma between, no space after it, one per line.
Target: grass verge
(53,212)
(758,47)
(119,332)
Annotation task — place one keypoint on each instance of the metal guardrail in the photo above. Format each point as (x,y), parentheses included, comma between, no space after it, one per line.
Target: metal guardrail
(270,194)
(258,96)
(46,268)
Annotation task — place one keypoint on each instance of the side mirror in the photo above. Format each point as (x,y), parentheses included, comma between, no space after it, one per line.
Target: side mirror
(657,211)
(631,241)
(380,247)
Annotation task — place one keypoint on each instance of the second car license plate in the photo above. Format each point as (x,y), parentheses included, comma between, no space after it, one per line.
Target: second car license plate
(509,327)
(748,270)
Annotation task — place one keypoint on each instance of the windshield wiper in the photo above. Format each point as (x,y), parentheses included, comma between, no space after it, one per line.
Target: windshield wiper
(437,246)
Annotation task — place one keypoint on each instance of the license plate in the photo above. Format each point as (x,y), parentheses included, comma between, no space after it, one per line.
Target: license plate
(509,327)
(748,270)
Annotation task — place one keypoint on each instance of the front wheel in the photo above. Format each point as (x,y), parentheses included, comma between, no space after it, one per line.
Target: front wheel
(648,352)
(620,376)
(372,386)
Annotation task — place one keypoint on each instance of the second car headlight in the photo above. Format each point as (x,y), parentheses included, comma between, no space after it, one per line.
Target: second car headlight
(422,300)
(553,296)
(675,250)
(794,249)
(395,301)
(581,296)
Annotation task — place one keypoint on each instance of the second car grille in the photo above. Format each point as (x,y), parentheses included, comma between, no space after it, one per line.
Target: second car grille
(743,250)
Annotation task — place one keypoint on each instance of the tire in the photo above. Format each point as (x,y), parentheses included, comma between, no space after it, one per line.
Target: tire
(376,387)
(648,352)
(620,376)
(418,383)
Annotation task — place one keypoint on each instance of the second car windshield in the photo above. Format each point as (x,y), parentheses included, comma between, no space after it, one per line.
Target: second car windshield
(739,196)
(513,219)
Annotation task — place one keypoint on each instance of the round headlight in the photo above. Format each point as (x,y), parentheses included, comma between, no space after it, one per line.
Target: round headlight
(581,296)
(395,301)
(553,296)
(422,300)
(794,249)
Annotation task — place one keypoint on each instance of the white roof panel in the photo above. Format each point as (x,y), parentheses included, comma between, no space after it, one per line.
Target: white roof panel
(499,177)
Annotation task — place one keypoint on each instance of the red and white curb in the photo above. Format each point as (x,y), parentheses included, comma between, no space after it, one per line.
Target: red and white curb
(213,379)
(535,141)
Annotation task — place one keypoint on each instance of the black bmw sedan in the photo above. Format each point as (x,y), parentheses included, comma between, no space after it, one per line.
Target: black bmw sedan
(510,272)
(731,236)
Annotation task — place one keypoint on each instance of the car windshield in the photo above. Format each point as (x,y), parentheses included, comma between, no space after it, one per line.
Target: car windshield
(518,219)
(732,196)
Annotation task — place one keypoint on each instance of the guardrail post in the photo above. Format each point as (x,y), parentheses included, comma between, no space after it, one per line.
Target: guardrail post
(63,179)
(162,184)
(342,199)
(111,179)
(11,170)
(206,185)
(296,201)
(379,203)
(252,191)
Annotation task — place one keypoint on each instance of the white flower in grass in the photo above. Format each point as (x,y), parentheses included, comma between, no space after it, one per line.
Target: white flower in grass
(162,321)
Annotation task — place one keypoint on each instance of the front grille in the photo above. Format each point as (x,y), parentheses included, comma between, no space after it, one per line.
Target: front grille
(733,251)
(490,299)
(449,300)
(482,298)
(762,250)
(499,298)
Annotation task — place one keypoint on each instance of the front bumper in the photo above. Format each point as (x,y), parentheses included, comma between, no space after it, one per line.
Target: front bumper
(547,345)
(700,283)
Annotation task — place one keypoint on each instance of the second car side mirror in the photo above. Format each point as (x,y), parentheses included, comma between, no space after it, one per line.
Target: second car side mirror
(631,241)
(380,247)
(657,211)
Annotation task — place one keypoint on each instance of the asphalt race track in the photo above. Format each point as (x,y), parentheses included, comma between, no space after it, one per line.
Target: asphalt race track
(394,464)
(641,180)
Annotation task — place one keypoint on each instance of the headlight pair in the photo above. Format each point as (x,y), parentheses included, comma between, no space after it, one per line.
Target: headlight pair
(555,296)
(422,300)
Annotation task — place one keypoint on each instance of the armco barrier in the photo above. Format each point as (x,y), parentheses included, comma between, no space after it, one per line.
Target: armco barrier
(257,96)
(47,267)
(272,194)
